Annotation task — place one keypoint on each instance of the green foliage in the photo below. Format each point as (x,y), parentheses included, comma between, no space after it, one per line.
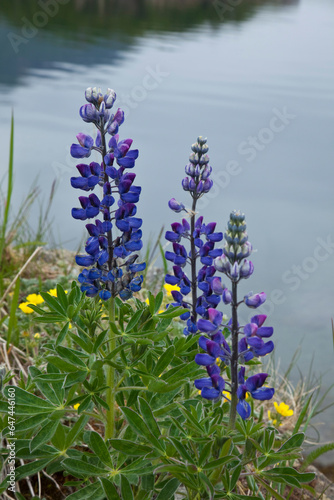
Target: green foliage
(166,437)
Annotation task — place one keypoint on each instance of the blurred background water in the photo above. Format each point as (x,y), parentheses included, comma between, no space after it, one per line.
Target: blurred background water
(255,77)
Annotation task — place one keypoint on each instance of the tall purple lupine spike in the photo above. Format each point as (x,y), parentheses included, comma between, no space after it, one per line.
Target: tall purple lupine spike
(234,264)
(202,242)
(109,255)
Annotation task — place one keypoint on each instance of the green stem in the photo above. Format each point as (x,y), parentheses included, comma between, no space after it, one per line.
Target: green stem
(234,358)
(110,373)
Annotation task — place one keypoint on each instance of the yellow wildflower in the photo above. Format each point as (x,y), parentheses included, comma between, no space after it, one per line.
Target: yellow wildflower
(37,336)
(170,288)
(25,308)
(283,409)
(35,299)
(227,395)
(76,406)
(53,292)
(147,302)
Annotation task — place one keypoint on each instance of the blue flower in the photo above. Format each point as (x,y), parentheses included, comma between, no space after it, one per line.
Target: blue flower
(253,386)
(111,254)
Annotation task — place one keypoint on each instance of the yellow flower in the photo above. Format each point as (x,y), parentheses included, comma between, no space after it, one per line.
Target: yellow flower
(283,409)
(147,302)
(170,288)
(161,311)
(76,406)
(53,292)
(274,421)
(25,308)
(35,299)
(227,395)
(37,336)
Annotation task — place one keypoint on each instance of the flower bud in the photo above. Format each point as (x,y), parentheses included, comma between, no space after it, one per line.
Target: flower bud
(185,183)
(254,301)
(175,205)
(207,185)
(192,185)
(235,272)
(193,158)
(227,296)
(247,268)
(110,98)
(190,170)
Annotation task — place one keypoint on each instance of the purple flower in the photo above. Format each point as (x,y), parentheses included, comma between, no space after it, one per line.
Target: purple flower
(175,205)
(253,386)
(104,247)
(256,300)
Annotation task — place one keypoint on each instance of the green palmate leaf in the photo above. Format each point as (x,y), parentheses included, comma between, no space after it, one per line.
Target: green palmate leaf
(189,370)
(100,449)
(302,477)
(126,489)
(75,430)
(82,469)
(294,441)
(172,468)
(138,467)
(164,361)
(206,482)
(74,377)
(54,304)
(29,423)
(61,296)
(137,423)
(285,479)
(91,491)
(31,468)
(148,417)
(133,321)
(158,302)
(62,334)
(235,476)
(70,356)
(45,388)
(181,449)
(99,341)
(23,397)
(168,490)
(217,463)
(58,439)
(50,377)
(86,344)
(171,312)
(44,435)
(84,405)
(61,364)
(109,489)
(161,387)
(25,409)
(204,453)
(165,410)
(129,447)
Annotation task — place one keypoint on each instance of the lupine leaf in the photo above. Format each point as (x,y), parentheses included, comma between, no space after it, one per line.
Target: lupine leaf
(70,356)
(181,449)
(294,441)
(129,447)
(62,334)
(158,300)
(126,489)
(148,417)
(164,360)
(31,468)
(133,321)
(216,463)
(61,364)
(100,449)
(44,435)
(140,426)
(87,492)
(109,489)
(75,430)
(54,304)
(82,468)
(29,423)
(168,490)
(269,488)
(23,397)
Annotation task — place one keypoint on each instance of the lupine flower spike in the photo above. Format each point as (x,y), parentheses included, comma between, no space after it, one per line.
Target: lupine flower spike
(110,262)
(199,289)
(235,265)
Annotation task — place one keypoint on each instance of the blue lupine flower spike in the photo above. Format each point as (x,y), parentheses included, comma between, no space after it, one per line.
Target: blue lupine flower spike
(109,263)
(205,290)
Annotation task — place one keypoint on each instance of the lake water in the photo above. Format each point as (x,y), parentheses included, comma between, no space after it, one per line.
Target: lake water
(256,78)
